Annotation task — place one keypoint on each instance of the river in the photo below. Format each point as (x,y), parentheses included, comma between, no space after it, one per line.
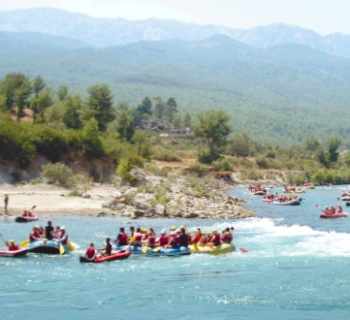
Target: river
(297,267)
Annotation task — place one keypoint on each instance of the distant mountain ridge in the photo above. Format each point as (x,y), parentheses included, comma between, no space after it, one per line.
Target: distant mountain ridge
(282,93)
(103,32)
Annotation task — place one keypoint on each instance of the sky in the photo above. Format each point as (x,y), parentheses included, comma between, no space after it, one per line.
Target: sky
(323,16)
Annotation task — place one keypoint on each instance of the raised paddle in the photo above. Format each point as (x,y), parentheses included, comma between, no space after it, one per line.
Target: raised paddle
(2,238)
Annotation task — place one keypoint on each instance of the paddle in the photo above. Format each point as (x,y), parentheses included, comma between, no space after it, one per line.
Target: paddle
(2,238)
(61,249)
(243,250)
(24,244)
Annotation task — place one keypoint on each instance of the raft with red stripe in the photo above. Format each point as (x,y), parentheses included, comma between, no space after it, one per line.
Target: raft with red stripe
(119,255)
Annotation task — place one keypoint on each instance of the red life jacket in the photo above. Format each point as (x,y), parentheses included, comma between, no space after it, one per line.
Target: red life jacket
(151,241)
(90,252)
(216,240)
(138,237)
(197,237)
(122,239)
(163,240)
(64,238)
(227,237)
(13,247)
(34,236)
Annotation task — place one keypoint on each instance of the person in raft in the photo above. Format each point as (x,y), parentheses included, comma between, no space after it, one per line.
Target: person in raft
(151,239)
(62,236)
(196,238)
(215,239)
(138,238)
(91,252)
(183,239)
(122,238)
(227,236)
(12,246)
(108,247)
(35,234)
(163,239)
(132,232)
(49,231)
(27,213)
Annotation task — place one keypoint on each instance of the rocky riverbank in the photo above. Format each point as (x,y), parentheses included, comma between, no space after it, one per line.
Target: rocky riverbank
(153,196)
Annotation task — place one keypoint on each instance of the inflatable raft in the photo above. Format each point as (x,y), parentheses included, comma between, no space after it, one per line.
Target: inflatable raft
(131,249)
(294,202)
(333,216)
(47,247)
(222,249)
(22,219)
(16,253)
(119,255)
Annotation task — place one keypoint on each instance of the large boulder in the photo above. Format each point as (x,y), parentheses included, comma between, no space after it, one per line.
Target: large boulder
(143,201)
(160,210)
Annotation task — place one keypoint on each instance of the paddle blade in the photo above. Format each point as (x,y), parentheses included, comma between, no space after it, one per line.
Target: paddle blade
(72,246)
(24,244)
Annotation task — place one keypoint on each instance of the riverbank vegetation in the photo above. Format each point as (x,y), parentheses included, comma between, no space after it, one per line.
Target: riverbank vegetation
(59,126)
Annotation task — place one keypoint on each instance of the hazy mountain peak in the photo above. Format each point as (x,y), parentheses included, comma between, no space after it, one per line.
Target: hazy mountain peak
(107,32)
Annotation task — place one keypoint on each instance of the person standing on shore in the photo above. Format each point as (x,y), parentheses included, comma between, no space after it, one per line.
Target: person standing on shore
(6,203)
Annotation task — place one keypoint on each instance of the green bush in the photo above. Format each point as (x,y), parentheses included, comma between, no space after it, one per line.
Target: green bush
(160,196)
(58,174)
(207,157)
(16,143)
(198,169)
(50,143)
(262,163)
(251,175)
(166,155)
(222,165)
(126,165)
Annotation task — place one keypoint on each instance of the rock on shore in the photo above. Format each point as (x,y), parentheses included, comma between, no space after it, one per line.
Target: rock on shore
(179,197)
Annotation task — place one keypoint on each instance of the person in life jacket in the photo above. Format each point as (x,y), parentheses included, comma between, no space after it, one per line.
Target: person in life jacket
(215,239)
(35,235)
(91,252)
(12,246)
(27,213)
(63,236)
(227,236)
(132,232)
(204,240)
(138,238)
(183,239)
(122,238)
(195,239)
(49,231)
(57,233)
(108,247)
(163,240)
(41,231)
(151,239)
(172,240)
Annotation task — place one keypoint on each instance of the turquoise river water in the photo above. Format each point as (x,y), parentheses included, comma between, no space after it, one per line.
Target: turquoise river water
(298,267)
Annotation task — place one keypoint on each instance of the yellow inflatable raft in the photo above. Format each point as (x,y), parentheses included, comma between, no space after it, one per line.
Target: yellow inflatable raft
(222,249)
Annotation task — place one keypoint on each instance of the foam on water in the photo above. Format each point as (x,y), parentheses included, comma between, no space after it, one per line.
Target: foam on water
(269,237)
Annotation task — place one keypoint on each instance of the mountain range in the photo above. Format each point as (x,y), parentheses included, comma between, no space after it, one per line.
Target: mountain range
(279,82)
(102,32)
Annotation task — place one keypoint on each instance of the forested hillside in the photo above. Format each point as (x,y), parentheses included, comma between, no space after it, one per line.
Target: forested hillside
(274,91)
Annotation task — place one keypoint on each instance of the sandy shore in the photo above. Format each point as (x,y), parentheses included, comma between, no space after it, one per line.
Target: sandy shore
(127,202)
(52,200)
